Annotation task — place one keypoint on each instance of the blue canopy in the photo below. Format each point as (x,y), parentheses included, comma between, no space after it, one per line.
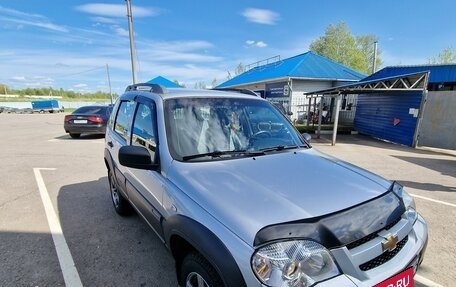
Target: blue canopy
(164,82)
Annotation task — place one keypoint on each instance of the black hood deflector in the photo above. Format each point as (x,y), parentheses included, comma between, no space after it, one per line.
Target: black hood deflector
(340,228)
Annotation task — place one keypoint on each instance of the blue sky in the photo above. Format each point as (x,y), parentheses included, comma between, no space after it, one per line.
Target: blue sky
(67,44)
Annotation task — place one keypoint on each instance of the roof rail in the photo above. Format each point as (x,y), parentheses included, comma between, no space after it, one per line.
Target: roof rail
(154,88)
(242,91)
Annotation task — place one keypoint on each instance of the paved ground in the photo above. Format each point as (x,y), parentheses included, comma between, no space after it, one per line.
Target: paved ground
(108,250)
(428,174)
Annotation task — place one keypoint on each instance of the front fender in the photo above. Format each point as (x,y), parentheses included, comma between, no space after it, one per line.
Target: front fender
(200,238)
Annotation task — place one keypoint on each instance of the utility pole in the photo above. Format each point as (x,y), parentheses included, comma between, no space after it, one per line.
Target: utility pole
(132,42)
(374,65)
(109,82)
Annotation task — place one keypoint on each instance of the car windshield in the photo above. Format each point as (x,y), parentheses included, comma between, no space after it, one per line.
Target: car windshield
(216,128)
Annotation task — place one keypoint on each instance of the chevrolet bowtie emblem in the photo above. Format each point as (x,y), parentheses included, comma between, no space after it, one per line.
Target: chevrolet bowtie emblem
(390,243)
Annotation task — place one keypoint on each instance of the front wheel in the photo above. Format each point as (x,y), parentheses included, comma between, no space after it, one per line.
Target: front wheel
(198,272)
(121,204)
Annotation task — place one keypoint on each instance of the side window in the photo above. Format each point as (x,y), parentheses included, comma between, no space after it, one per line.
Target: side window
(123,120)
(144,133)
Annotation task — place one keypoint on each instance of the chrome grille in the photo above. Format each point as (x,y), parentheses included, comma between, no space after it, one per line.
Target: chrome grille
(385,257)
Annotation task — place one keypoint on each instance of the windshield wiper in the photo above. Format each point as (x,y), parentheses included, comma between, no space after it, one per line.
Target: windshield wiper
(278,148)
(218,153)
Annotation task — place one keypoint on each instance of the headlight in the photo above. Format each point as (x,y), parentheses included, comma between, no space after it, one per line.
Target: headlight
(407,199)
(297,263)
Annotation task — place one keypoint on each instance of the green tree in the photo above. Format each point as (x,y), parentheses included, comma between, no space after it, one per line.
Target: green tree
(4,89)
(237,71)
(177,82)
(338,44)
(214,83)
(446,56)
(200,85)
(366,47)
(228,76)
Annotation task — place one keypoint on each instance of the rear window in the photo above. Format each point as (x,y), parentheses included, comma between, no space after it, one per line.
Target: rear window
(92,110)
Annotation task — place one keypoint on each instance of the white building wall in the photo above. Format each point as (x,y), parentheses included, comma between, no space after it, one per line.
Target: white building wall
(299,102)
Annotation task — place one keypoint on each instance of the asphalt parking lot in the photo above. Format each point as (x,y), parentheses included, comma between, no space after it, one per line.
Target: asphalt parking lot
(43,172)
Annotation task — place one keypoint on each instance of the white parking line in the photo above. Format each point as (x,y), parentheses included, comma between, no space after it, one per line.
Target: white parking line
(426,281)
(434,200)
(95,141)
(70,274)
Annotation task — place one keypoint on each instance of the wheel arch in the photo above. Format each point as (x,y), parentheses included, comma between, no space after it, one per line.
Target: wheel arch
(184,235)
(108,159)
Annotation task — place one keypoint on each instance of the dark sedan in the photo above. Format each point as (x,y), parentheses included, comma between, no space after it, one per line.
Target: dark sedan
(87,120)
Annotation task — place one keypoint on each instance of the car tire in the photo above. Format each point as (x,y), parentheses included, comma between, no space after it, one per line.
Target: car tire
(121,204)
(196,271)
(75,136)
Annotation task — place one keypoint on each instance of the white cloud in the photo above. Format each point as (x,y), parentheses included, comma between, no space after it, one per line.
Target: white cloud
(80,86)
(46,25)
(121,31)
(18,79)
(19,14)
(20,20)
(259,44)
(33,81)
(115,10)
(185,61)
(103,20)
(193,51)
(261,16)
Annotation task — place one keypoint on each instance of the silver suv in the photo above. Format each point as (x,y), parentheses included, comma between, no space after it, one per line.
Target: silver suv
(240,198)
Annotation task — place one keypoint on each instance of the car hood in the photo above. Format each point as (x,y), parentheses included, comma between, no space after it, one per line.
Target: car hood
(250,193)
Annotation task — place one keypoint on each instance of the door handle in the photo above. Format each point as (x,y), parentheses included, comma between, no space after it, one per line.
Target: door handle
(110,144)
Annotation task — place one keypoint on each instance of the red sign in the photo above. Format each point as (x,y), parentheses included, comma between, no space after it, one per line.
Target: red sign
(403,279)
(396,121)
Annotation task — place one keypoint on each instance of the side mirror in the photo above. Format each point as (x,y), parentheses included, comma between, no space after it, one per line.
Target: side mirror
(136,157)
(306,136)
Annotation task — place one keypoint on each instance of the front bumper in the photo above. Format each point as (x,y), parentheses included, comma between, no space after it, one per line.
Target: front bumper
(410,255)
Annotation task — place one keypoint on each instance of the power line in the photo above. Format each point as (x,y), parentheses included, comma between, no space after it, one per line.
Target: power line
(83,72)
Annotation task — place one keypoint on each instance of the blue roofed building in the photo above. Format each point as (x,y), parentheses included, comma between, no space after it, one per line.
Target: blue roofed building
(408,105)
(286,80)
(164,82)
(431,115)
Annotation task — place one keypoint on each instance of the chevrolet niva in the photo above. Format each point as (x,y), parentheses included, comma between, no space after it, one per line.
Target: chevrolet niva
(240,198)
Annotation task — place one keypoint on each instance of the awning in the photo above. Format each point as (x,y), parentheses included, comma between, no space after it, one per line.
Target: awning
(403,83)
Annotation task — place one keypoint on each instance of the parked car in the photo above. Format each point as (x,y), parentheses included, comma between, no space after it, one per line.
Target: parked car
(240,198)
(87,120)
